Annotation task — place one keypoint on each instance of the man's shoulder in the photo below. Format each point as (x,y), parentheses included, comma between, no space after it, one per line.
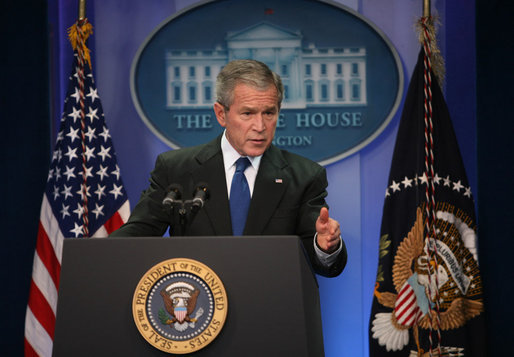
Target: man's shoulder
(295,161)
(188,153)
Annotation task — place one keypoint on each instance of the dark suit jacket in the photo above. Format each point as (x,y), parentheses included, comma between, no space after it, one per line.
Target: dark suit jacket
(287,206)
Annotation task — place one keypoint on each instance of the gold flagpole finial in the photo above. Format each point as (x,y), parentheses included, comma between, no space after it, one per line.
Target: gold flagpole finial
(79,32)
(82,10)
(426,8)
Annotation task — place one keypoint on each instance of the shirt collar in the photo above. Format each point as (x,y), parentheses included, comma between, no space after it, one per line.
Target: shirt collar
(230,155)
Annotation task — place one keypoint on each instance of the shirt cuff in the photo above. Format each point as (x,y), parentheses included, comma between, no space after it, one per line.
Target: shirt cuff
(327,259)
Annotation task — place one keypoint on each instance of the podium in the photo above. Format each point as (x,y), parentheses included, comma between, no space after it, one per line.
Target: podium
(272,292)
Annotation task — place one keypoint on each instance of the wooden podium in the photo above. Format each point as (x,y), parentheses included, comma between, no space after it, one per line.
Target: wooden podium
(273,299)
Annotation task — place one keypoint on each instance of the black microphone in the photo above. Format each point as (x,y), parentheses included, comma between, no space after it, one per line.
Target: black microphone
(200,195)
(173,196)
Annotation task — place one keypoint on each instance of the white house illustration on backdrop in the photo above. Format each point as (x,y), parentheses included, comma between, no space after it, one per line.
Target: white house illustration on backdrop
(312,77)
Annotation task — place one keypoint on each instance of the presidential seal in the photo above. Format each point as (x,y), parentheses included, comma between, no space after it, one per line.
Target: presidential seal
(180,306)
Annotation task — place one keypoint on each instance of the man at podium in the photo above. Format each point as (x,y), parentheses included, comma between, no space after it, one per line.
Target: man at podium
(253,187)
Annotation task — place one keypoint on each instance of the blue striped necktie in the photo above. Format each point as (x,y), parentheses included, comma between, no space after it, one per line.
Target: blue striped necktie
(239,197)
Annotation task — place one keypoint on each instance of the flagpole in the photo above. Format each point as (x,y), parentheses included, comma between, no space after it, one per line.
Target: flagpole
(82,10)
(426,8)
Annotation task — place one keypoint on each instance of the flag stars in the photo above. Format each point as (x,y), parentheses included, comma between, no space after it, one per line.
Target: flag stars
(424,179)
(65,211)
(102,172)
(50,174)
(407,182)
(90,133)
(437,179)
(78,230)
(90,152)
(395,186)
(104,152)
(57,173)
(71,154)
(457,186)
(69,173)
(66,192)
(75,114)
(100,191)
(73,134)
(84,191)
(87,172)
(57,153)
(98,210)
(56,192)
(76,95)
(116,191)
(60,136)
(105,134)
(92,114)
(116,173)
(79,210)
(417,180)
(93,93)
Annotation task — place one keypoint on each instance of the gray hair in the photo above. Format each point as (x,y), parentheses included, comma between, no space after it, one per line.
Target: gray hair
(250,72)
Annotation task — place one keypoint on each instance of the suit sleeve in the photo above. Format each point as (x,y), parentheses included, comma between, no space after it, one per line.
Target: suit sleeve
(312,201)
(149,217)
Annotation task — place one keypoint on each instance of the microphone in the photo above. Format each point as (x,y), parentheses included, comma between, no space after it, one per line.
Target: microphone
(200,195)
(173,196)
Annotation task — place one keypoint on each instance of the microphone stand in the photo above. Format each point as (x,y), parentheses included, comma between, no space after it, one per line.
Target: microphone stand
(186,209)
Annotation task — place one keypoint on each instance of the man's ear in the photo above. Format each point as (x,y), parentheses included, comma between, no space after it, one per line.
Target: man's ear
(219,110)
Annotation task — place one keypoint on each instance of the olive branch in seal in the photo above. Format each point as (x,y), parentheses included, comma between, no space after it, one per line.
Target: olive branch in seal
(384,245)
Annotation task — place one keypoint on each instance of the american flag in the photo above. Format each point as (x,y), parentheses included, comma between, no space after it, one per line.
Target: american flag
(84,197)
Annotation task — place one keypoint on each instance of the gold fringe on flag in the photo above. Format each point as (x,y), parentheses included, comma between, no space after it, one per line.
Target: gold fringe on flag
(78,34)
(429,24)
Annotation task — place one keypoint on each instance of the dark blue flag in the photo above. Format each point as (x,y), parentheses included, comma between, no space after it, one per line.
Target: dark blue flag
(428,292)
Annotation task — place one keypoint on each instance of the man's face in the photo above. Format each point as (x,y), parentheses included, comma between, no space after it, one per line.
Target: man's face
(251,120)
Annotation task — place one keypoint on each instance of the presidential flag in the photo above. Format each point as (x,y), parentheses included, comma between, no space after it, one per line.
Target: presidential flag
(428,291)
(84,195)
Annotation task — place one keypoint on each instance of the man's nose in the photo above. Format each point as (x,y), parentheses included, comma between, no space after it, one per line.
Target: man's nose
(259,123)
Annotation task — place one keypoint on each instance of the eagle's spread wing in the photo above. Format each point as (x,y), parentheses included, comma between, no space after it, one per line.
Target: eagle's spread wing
(168,303)
(387,299)
(460,311)
(192,302)
(409,249)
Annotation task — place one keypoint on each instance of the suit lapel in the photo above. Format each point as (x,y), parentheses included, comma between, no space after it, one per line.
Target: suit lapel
(270,186)
(211,171)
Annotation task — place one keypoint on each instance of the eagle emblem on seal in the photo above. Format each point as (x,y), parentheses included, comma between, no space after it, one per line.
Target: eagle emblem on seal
(180,302)
(416,279)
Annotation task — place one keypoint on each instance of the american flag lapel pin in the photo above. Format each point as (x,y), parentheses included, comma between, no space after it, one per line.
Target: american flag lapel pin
(278,180)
